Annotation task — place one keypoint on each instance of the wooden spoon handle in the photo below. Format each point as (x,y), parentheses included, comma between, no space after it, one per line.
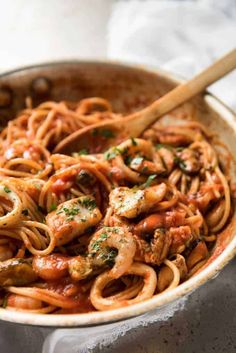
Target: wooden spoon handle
(183,92)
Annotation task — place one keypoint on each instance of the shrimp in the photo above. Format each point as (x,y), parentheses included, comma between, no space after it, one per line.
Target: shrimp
(73,218)
(108,238)
(189,161)
(160,220)
(51,267)
(180,238)
(56,266)
(130,203)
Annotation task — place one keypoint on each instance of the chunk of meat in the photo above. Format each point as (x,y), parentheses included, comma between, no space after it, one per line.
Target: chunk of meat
(160,220)
(174,139)
(146,167)
(180,237)
(189,161)
(154,252)
(130,203)
(16,272)
(203,198)
(51,267)
(80,268)
(72,218)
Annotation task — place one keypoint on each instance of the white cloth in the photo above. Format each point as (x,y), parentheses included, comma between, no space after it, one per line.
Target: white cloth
(179,36)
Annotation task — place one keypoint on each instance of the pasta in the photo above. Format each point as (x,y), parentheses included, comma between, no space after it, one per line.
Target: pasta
(102,230)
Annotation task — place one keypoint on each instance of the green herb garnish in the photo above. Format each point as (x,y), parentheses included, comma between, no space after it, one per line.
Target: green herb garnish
(128,160)
(6,189)
(162,145)
(134,143)
(137,160)
(180,162)
(109,256)
(149,180)
(96,245)
(83,151)
(179,149)
(112,153)
(88,203)
(53,207)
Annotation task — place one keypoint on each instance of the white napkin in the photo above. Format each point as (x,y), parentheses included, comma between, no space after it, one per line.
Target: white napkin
(180,36)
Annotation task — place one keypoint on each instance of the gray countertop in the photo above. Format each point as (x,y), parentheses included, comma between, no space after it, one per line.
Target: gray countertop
(205,323)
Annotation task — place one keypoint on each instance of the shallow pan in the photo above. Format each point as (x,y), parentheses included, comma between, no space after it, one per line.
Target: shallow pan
(128,89)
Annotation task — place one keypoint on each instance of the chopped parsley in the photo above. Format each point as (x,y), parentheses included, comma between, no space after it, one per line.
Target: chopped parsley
(104,252)
(6,189)
(179,149)
(83,151)
(96,245)
(103,236)
(137,160)
(109,256)
(134,143)
(128,160)
(180,162)
(25,212)
(53,207)
(112,153)
(149,180)
(88,203)
(69,212)
(161,145)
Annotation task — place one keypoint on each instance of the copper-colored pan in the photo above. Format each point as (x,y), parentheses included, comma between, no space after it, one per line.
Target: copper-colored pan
(128,88)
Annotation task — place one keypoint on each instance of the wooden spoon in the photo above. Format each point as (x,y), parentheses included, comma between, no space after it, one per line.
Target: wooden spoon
(98,137)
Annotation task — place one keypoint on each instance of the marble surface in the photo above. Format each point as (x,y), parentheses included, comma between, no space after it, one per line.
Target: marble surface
(206,323)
